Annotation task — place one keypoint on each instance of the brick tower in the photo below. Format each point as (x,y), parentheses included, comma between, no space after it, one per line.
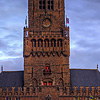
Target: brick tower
(46,47)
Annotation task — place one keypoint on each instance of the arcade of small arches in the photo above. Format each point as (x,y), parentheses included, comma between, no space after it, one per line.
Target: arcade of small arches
(47,43)
(47,82)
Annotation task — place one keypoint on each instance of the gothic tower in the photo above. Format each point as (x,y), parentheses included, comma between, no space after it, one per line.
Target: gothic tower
(46,45)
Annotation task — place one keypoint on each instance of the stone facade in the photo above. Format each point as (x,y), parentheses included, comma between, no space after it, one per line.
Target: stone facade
(50,92)
(46,57)
(46,44)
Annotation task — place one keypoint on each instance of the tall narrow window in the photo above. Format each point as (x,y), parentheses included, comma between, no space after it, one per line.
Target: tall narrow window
(50,4)
(58,4)
(59,43)
(40,43)
(46,43)
(33,43)
(53,43)
(6,98)
(42,4)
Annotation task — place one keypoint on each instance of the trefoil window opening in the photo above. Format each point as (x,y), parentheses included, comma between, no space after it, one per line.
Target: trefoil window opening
(50,4)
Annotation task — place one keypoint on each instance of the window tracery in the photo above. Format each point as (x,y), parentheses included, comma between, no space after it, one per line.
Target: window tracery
(42,4)
(50,4)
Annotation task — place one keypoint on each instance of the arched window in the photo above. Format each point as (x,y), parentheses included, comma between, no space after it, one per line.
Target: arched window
(33,43)
(59,43)
(46,43)
(40,43)
(53,43)
(42,4)
(50,4)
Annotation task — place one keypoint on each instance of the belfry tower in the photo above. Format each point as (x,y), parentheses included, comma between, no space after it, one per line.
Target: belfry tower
(46,46)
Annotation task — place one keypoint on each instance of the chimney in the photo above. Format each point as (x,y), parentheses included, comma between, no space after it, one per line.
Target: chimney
(2,68)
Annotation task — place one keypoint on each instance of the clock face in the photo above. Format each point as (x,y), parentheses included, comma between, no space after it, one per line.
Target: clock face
(46,22)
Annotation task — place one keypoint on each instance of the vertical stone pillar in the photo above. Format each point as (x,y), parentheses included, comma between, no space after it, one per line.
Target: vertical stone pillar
(68,91)
(19,90)
(98,90)
(13,90)
(75,90)
(24,90)
(36,92)
(60,91)
(7,90)
(30,92)
(93,89)
(0,91)
(81,90)
(87,91)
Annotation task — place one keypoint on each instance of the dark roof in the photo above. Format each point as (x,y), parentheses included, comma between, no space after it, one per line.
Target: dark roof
(78,77)
(11,79)
(84,77)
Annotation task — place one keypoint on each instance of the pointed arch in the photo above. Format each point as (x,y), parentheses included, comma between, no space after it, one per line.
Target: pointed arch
(40,43)
(33,42)
(34,82)
(46,41)
(59,43)
(53,43)
(48,97)
(60,82)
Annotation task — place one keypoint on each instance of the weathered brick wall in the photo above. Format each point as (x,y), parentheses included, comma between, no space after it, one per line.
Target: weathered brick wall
(53,92)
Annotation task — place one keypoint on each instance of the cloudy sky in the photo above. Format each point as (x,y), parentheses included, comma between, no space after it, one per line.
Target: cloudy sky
(84,16)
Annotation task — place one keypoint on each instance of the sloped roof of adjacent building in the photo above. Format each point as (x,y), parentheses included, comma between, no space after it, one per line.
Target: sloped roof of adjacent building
(78,77)
(85,77)
(11,79)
